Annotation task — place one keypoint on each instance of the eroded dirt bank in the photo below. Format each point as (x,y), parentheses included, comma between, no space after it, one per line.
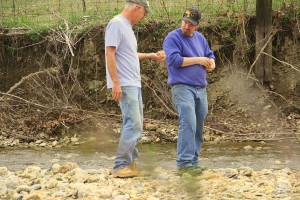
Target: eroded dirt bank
(63,97)
(60,93)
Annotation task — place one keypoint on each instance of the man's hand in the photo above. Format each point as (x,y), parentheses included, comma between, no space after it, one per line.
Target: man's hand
(116,91)
(204,61)
(212,66)
(162,55)
(159,56)
(208,63)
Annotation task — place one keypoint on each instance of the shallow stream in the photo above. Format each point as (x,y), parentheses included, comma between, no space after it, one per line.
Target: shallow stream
(99,154)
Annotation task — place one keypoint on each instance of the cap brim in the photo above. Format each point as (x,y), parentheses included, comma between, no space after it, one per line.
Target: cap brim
(190,20)
(149,11)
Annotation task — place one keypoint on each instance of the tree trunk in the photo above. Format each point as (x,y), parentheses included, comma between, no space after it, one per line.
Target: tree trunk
(263,67)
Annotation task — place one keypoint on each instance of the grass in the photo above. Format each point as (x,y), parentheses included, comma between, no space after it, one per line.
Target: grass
(38,14)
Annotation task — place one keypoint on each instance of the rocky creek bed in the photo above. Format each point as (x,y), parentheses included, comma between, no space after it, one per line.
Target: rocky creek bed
(68,181)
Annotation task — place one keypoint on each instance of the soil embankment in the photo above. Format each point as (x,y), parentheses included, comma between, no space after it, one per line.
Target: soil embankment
(52,92)
(62,97)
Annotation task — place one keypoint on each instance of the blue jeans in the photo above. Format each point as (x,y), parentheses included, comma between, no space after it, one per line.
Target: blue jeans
(192,107)
(132,126)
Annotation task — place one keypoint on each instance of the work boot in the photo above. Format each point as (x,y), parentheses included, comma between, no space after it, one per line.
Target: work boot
(193,171)
(133,165)
(126,172)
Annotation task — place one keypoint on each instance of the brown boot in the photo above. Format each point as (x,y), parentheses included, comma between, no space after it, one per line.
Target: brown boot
(127,172)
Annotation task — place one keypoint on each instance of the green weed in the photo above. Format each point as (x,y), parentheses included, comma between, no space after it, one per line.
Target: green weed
(11,50)
(40,13)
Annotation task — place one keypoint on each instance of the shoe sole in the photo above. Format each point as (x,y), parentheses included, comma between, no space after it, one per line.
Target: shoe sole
(125,176)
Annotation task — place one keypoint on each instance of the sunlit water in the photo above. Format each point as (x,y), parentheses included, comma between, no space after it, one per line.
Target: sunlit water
(100,154)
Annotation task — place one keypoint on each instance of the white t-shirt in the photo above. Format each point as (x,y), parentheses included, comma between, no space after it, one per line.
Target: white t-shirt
(119,34)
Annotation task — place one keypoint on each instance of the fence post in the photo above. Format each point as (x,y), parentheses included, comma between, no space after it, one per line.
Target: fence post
(2,12)
(83,6)
(263,67)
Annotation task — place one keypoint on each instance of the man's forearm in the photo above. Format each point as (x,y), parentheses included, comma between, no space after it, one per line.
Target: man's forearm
(204,61)
(188,61)
(143,56)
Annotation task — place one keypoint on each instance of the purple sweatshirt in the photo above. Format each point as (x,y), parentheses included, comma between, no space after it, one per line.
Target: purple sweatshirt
(177,46)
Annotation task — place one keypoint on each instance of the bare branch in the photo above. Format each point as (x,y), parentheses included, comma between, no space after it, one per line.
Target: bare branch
(28,77)
(260,52)
(295,68)
(169,109)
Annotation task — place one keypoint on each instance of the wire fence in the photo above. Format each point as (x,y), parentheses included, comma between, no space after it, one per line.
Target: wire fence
(49,13)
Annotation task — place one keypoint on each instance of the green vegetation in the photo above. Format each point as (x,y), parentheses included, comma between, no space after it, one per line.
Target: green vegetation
(11,50)
(38,14)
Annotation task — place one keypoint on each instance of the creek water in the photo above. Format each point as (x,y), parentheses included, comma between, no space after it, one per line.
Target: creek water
(100,154)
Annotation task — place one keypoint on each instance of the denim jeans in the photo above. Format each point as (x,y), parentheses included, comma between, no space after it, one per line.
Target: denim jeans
(132,126)
(192,107)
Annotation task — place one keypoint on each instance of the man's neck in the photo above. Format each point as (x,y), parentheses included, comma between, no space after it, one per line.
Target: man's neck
(127,15)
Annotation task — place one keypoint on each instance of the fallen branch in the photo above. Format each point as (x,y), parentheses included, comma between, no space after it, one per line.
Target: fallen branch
(23,138)
(216,130)
(169,109)
(32,45)
(283,99)
(260,52)
(260,139)
(295,68)
(24,100)
(52,70)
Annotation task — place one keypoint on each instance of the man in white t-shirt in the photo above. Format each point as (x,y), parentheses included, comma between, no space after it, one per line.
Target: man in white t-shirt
(124,80)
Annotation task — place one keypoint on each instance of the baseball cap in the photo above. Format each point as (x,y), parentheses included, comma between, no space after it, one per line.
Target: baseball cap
(143,3)
(192,15)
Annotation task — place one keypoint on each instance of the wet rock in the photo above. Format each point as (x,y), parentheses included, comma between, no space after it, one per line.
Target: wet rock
(245,171)
(163,176)
(84,191)
(283,187)
(151,127)
(152,198)
(105,193)
(13,182)
(67,167)
(278,162)
(76,175)
(55,168)
(145,140)
(43,144)
(32,197)
(3,171)
(248,147)
(59,194)
(74,139)
(217,140)
(231,173)
(36,187)
(258,148)
(39,142)
(23,188)
(52,183)
(32,172)
(122,197)
(161,131)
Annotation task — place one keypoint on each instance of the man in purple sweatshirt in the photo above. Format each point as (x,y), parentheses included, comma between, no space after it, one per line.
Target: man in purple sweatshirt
(189,58)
